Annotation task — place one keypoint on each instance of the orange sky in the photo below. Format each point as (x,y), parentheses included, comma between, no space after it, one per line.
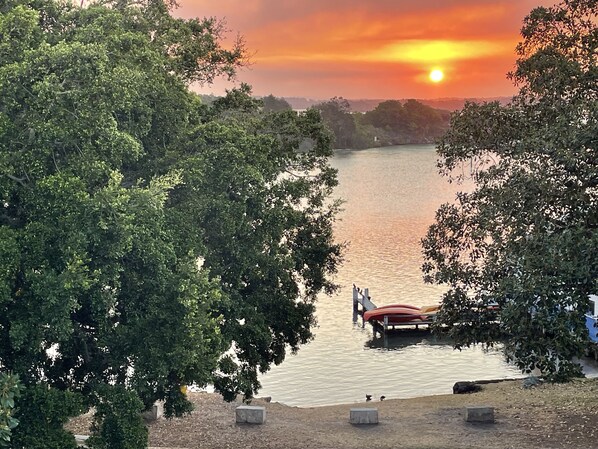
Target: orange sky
(372,48)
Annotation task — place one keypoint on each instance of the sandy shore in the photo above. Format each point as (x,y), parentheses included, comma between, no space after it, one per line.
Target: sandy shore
(547,416)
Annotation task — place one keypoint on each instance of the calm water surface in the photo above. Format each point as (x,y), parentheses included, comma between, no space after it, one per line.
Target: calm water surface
(391,196)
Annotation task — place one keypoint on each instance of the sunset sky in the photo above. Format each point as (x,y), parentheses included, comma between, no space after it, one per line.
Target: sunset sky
(372,49)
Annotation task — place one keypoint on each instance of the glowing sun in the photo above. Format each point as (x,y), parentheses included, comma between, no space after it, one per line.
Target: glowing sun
(436,75)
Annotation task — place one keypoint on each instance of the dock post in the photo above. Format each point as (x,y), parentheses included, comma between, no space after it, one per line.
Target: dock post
(366,295)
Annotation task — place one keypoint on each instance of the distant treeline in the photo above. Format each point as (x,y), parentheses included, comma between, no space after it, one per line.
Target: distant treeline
(391,122)
(367,104)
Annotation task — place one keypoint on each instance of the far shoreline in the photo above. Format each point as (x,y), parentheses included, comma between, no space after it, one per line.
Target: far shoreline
(349,150)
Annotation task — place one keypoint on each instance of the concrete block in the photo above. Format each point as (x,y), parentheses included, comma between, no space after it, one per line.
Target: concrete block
(81,440)
(479,414)
(250,414)
(363,416)
(155,413)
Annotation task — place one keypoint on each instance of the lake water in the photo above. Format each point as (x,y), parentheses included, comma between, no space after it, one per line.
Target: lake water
(391,197)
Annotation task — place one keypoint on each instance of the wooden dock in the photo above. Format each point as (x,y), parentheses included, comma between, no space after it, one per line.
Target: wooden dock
(362,302)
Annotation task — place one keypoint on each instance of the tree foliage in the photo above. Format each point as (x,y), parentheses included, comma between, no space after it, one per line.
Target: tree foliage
(389,123)
(10,389)
(388,115)
(526,236)
(336,113)
(115,181)
(274,104)
(411,122)
(263,225)
(42,412)
(117,420)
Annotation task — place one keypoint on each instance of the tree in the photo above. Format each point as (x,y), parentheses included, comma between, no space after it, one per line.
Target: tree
(525,237)
(274,104)
(423,122)
(259,194)
(388,115)
(337,116)
(114,182)
(407,123)
(9,391)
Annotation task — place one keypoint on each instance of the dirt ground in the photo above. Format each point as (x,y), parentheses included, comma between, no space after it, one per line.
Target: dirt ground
(545,416)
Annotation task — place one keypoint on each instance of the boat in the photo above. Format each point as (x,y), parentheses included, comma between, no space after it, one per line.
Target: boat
(401,313)
(430,310)
(406,306)
(393,314)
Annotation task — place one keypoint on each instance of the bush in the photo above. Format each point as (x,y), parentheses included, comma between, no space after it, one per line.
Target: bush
(117,421)
(9,390)
(43,411)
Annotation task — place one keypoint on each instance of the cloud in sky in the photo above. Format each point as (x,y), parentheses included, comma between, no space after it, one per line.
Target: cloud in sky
(374,49)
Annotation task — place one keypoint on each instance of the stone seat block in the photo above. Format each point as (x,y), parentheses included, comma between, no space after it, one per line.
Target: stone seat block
(81,440)
(363,416)
(480,414)
(155,413)
(250,414)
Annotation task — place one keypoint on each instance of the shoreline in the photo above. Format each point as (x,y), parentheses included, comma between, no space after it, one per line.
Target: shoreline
(269,399)
(547,416)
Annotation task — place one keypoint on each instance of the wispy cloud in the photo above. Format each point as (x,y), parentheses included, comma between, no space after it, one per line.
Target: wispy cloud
(337,47)
(439,51)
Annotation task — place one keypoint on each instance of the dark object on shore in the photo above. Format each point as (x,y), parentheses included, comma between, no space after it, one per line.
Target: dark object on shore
(466,387)
(368,397)
(382,397)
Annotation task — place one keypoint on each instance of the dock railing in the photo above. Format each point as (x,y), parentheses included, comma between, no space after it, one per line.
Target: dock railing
(363,298)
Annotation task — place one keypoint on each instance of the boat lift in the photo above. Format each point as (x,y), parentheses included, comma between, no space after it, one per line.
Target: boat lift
(362,298)
(362,302)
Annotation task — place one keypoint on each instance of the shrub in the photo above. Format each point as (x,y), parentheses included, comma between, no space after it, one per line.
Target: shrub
(10,389)
(117,421)
(45,410)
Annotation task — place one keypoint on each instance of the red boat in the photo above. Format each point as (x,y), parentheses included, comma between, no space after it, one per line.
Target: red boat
(406,306)
(401,313)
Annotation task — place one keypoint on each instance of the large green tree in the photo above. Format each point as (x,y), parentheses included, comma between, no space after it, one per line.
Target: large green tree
(525,236)
(255,206)
(411,122)
(116,183)
(336,113)
(389,115)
